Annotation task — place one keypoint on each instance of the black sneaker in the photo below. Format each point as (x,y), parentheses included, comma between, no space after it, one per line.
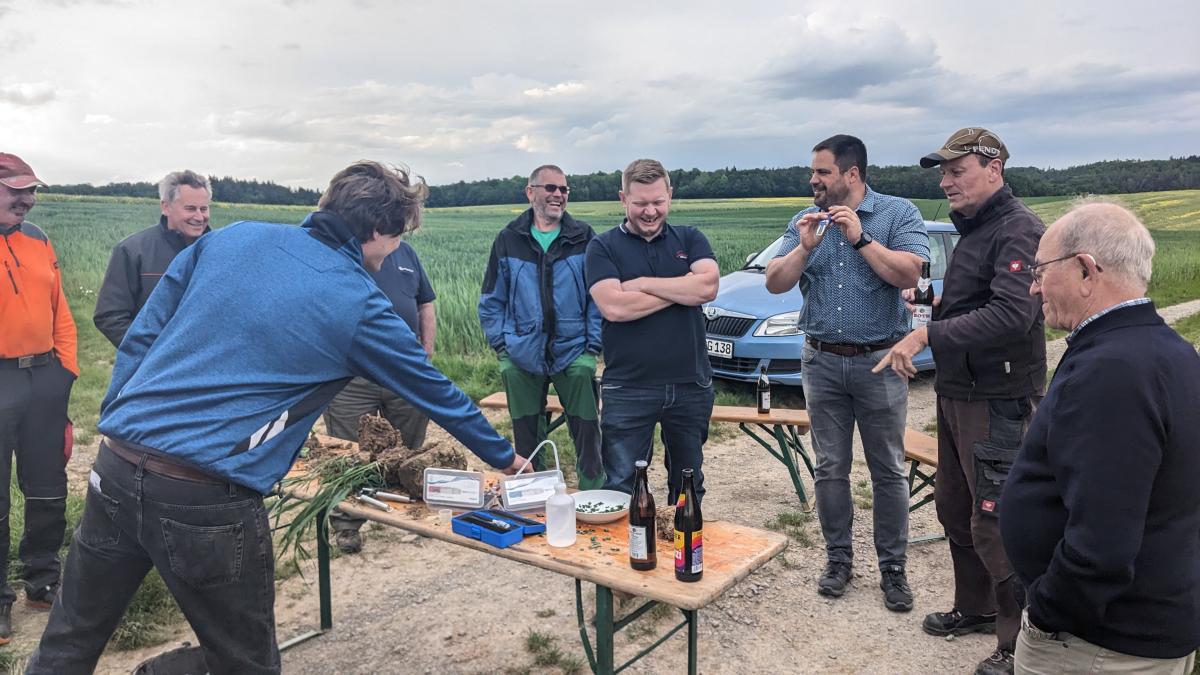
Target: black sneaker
(897,596)
(41,598)
(833,582)
(955,622)
(999,663)
(349,541)
(5,622)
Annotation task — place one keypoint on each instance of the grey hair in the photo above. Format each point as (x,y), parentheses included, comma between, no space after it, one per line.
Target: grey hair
(1111,233)
(545,167)
(168,187)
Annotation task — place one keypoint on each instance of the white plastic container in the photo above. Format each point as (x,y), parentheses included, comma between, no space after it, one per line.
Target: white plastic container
(454,488)
(560,517)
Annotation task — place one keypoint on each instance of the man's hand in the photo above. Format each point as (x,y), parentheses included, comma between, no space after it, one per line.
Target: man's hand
(518,462)
(807,227)
(900,356)
(847,219)
(909,294)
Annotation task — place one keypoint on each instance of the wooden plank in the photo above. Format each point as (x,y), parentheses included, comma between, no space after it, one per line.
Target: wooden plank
(732,413)
(600,554)
(499,401)
(920,447)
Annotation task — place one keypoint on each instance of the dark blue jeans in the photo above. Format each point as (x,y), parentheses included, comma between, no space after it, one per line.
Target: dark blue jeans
(210,542)
(627,421)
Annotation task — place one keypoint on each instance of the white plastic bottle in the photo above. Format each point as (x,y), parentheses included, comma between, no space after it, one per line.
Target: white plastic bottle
(560,517)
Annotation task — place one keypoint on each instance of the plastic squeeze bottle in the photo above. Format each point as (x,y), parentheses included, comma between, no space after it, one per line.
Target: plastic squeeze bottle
(560,517)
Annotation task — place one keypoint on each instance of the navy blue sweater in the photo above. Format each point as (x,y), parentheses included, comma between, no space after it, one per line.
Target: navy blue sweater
(1102,507)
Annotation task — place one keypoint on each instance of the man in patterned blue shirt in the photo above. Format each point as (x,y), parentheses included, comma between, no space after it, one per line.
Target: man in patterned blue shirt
(851,254)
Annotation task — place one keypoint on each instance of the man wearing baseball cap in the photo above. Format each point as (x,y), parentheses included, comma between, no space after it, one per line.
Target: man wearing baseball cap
(37,369)
(987,338)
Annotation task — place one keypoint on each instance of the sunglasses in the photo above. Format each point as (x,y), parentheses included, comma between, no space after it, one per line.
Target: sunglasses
(552,188)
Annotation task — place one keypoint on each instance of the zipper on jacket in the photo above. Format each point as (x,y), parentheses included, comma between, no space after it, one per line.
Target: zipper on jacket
(10,278)
(546,294)
(12,253)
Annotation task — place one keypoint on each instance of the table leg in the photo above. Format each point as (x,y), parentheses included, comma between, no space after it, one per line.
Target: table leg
(604,630)
(783,450)
(690,615)
(323,586)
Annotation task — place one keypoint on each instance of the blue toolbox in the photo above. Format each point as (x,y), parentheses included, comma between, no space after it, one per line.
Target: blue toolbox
(495,527)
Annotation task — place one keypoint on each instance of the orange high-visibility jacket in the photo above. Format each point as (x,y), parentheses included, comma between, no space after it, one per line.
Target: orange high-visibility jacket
(34,317)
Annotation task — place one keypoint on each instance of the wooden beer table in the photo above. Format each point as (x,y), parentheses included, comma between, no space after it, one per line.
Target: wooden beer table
(600,557)
(778,432)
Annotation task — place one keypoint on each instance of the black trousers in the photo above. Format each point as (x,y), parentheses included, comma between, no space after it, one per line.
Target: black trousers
(977,443)
(33,424)
(210,542)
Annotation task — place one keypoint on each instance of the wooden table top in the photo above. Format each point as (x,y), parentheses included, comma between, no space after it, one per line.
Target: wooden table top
(601,552)
(720,413)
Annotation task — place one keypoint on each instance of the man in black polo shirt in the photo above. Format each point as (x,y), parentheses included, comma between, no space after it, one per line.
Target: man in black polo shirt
(649,279)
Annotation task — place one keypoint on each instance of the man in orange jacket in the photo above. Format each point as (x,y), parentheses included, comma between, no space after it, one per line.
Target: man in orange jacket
(37,369)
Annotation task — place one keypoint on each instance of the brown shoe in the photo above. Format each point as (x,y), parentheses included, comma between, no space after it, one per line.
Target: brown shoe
(41,598)
(5,623)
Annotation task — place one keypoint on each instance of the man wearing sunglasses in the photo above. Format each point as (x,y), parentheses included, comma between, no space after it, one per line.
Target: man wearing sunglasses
(536,313)
(1101,507)
(987,338)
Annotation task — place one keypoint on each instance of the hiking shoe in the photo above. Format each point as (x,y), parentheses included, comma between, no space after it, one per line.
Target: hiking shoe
(349,541)
(833,582)
(955,622)
(999,663)
(897,596)
(41,598)
(5,622)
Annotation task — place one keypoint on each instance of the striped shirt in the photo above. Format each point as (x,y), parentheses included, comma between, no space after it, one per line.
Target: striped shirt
(1097,315)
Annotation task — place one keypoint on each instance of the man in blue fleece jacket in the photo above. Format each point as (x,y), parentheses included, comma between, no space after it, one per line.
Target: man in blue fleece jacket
(248,336)
(1102,513)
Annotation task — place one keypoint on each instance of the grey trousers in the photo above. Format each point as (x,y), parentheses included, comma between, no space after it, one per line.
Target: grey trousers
(1067,654)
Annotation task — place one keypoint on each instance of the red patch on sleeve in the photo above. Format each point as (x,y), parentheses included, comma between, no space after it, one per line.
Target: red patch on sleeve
(1015,266)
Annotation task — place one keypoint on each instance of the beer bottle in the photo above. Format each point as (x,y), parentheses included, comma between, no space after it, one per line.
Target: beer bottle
(922,303)
(764,391)
(689,537)
(642,553)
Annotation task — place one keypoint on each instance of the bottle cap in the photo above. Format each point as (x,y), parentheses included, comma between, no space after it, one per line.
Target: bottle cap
(641,464)
(560,487)
(687,473)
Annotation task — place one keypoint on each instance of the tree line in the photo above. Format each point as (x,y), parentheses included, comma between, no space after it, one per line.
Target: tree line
(1108,177)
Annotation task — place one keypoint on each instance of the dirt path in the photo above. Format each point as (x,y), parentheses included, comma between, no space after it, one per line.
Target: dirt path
(408,604)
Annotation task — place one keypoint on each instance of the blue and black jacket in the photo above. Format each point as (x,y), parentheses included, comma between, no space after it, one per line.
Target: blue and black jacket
(535,305)
(248,336)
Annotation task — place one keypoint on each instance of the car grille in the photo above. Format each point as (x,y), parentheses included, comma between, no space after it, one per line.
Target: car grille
(784,366)
(728,326)
(745,366)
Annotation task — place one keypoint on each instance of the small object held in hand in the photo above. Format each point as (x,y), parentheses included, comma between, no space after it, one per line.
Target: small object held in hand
(821,227)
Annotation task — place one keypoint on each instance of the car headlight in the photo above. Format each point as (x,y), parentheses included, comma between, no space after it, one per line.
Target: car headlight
(780,325)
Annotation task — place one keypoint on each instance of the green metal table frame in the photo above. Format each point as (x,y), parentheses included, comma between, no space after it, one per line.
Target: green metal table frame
(601,659)
(786,448)
(921,482)
(323,586)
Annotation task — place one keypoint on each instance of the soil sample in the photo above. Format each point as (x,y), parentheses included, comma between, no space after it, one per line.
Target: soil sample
(664,523)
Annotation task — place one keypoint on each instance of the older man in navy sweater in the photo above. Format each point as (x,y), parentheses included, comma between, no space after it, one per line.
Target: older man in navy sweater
(1102,510)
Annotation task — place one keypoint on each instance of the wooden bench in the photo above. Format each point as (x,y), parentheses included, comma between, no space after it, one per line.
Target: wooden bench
(784,428)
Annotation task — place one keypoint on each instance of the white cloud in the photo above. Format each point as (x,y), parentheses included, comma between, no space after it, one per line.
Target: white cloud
(92,118)
(27,93)
(557,90)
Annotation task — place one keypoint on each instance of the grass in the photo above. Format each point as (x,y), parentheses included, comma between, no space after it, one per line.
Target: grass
(546,654)
(863,496)
(1189,328)
(794,524)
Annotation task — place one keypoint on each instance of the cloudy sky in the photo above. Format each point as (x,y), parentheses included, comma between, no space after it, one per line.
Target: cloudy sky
(292,90)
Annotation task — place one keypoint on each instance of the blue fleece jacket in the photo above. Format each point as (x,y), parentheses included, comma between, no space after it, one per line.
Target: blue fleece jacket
(250,333)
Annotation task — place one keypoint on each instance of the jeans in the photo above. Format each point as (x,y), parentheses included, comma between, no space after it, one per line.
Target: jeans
(33,423)
(627,428)
(840,391)
(210,542)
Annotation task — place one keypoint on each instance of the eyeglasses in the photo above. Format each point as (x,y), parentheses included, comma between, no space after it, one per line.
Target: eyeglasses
(1037,267)
(552,188)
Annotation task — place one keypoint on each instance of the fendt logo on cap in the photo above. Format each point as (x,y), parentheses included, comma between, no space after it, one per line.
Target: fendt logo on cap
(986,150)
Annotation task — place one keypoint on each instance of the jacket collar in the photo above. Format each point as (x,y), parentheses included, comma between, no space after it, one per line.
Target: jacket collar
(173,236)
(1118,316)
(570,229)
(1002,199)
(328,228)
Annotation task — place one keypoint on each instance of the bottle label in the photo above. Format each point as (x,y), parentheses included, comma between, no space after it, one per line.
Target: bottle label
(764,400)
(697,565)
(923,284)
(921,314)
(638,550)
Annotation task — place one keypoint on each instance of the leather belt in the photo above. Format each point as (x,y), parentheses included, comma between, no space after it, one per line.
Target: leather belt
(26,361)
(160,464)
(847,349)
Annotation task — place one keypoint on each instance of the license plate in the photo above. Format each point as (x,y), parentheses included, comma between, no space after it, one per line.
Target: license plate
(720,348)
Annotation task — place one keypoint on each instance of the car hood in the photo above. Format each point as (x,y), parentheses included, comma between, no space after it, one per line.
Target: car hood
(746,292)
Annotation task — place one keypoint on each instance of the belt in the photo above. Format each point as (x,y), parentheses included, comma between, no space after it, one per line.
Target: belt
(849,350)
(1033,631)
(160,464)
(26,361)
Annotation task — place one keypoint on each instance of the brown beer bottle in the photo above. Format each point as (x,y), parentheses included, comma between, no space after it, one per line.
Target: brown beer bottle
(642,553)
(689,537)
(922,304)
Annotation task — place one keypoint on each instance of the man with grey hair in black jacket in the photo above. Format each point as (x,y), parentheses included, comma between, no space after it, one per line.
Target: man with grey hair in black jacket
(139,261)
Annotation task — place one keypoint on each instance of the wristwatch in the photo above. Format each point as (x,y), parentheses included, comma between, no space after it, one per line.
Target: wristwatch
(865,239)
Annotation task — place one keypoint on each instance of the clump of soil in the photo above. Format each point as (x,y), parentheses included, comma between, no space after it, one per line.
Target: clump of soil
(664,520)
(401,466)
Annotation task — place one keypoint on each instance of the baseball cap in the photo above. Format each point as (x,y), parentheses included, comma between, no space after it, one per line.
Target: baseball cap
(16,174)
(974,140)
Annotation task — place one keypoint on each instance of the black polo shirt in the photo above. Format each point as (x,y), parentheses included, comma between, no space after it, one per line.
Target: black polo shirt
(666,347)
(403,280)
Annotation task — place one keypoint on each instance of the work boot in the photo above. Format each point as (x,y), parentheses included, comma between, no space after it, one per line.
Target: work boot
(833,582)
(897,596)
(349,541)
(999,663)
(955,622)
(41,598)
(5,622)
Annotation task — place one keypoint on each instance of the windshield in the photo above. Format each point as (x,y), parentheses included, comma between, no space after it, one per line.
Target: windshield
(760,260)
